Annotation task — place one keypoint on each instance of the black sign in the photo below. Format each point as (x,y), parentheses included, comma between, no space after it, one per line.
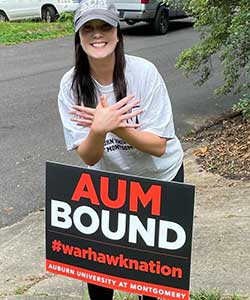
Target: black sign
(123,232)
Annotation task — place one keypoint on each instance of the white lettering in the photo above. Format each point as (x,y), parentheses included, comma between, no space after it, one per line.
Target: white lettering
(121,226)
(94,224)
(87,221)
(147,234)
(163,235)
(60,210)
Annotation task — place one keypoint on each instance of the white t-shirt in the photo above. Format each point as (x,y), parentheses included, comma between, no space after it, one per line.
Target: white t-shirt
(146,84)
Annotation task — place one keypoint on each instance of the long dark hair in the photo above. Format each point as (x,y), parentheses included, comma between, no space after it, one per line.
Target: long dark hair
(83,84)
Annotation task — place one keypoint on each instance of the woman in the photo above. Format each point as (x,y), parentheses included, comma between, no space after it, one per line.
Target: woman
(115,108)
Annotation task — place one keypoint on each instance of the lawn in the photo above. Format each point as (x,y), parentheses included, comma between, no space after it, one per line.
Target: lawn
(21,32)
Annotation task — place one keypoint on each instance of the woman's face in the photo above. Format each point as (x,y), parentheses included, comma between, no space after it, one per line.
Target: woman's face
(98,39)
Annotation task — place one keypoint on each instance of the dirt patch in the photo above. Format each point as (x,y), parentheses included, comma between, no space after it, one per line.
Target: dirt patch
(224,147)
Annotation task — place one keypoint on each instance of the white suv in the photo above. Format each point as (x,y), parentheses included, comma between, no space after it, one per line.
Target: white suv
(49,10)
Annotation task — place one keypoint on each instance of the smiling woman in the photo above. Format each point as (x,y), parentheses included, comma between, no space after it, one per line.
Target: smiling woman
(115,108)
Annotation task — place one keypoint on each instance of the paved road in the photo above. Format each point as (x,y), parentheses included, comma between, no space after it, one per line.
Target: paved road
(30,129)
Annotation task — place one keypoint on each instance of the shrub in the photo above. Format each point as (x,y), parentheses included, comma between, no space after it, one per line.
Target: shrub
(66,16)
(243,106)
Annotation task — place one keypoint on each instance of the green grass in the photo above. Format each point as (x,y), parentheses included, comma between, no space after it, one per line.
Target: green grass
(21,32)
(20,290)
(215,295)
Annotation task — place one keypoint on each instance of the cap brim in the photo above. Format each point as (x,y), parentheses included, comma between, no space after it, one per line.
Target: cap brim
(106,19)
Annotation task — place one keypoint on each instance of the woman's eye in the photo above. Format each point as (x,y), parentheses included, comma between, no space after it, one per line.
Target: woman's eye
(89,28)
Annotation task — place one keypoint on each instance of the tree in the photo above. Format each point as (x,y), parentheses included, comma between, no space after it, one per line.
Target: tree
(225,32)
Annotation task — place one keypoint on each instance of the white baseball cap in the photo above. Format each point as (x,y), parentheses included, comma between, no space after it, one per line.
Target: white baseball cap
(88,10)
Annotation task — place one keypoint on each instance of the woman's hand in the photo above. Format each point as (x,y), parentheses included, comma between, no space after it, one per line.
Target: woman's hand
(114,118)
(106,118)
(83,116)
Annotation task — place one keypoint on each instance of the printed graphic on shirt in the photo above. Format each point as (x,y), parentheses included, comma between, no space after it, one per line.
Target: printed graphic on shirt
(135,119)
(115,144)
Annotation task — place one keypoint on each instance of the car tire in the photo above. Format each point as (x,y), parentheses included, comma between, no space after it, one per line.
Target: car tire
(161,21)
(3,17)
(49,14)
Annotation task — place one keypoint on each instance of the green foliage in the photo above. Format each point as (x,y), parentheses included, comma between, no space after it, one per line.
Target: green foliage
(224,27)
(66,16)
(243,106)
(20,290)
(214,294)
(206,295)
(124,296)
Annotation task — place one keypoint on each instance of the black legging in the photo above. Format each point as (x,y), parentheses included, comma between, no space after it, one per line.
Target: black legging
(101,293)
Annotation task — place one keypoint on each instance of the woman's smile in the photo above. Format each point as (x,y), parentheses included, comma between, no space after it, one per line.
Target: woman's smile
(98,45)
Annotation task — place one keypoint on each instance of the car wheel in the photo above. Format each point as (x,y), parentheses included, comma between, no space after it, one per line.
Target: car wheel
(3,17)
(49,14)
(161,21)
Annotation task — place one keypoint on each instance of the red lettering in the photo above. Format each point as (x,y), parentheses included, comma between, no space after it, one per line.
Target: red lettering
(67,249)
(152,195)
(112,260)
(85,189)
(121,193)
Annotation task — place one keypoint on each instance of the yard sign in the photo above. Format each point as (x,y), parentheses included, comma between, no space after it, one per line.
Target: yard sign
(122,232)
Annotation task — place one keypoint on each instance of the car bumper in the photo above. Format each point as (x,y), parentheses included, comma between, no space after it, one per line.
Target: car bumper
(136,15)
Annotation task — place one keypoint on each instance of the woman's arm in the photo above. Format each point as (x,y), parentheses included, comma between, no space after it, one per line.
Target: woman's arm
(106,118)
(102,120)
(144,141)
(91,149)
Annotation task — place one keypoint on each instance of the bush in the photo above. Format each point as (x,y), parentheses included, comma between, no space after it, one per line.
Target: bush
(243,106)
(224,33)
(66,16)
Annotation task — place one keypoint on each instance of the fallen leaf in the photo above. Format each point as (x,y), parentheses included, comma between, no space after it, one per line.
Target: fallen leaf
(8,210)
(200,151)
